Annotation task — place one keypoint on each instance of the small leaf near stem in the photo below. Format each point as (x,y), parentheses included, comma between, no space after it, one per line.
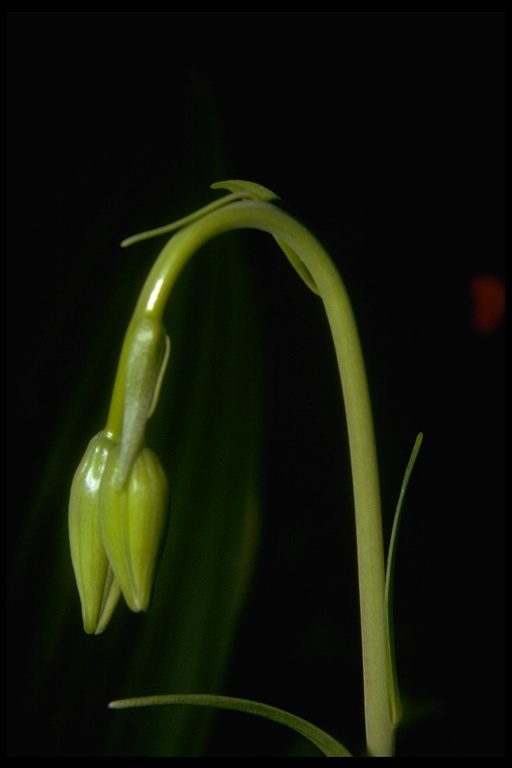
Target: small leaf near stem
(240,190)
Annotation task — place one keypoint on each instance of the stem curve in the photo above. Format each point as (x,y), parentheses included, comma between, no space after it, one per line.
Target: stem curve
(252,214)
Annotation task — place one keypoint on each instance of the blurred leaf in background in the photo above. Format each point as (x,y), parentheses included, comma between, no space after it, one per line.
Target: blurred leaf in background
(206,432)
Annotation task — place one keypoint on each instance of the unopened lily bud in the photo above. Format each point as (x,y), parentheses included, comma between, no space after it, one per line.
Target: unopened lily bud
(133,524)
(147,360)
(98,589)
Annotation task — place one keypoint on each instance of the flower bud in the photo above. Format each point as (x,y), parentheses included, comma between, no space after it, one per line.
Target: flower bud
(99,592)
(133,523)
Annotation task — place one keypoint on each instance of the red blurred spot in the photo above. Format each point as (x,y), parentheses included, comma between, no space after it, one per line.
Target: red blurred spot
(488,299)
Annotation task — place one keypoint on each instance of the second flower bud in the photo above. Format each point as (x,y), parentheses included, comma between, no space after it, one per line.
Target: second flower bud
(133,524)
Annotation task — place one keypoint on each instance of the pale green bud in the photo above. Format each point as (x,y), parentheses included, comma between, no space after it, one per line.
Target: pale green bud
(99,591)
(145,368)
(133,524)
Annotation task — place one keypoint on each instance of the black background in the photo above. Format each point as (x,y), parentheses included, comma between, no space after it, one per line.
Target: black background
(384,133)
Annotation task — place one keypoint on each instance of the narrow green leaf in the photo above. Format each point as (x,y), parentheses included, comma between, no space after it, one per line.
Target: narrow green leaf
(396,707)
(239,190)
(324,741)
(175,225)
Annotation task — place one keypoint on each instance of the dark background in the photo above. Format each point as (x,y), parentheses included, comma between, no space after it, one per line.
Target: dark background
(384,134)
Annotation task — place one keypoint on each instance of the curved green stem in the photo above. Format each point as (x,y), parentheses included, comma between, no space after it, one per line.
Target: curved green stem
(378,686)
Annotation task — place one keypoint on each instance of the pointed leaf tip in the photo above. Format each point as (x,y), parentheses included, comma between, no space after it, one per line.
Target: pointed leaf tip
(246,189)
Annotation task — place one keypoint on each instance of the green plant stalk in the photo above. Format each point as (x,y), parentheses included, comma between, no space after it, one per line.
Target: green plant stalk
(379,691)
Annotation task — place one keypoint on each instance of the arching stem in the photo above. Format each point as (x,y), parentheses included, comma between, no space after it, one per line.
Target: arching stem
(296,239)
